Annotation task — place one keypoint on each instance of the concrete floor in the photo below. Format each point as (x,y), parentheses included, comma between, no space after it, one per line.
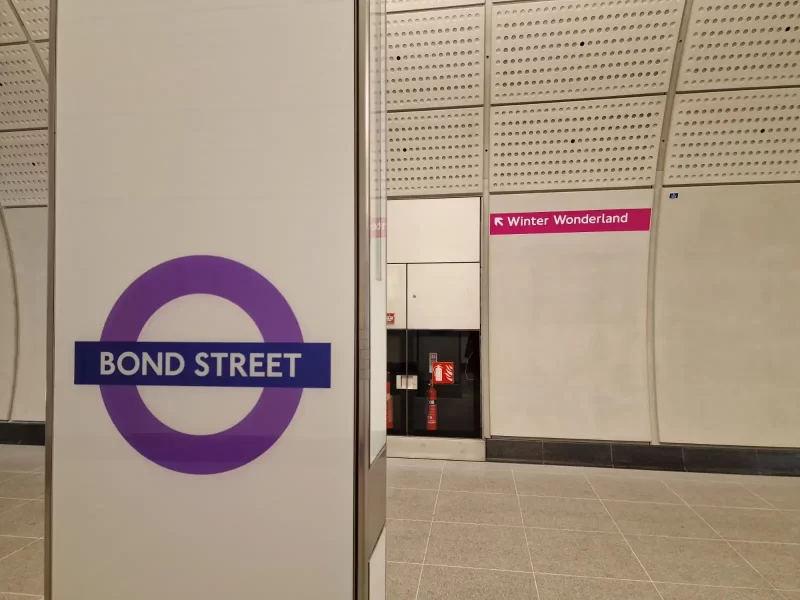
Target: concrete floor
(477,531)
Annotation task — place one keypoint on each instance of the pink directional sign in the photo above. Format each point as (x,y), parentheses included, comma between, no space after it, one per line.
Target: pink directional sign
(570,221)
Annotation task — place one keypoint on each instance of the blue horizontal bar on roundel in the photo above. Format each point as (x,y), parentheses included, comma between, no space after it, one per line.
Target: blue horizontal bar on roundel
(203,364)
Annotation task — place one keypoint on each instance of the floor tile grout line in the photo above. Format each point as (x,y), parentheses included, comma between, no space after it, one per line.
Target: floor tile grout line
(758,496)
(430,530)
(525,532)
(769,583)
(653,535)
(33,541)
(680,503)
(15,498)
(570,575)
(636,556)
(18,506)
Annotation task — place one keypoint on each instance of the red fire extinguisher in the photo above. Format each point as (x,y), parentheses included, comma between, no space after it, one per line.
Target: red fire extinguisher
(389,406)
(433,412)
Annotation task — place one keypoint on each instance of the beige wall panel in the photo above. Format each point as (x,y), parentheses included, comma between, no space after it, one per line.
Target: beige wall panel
(567,325)
(727,329)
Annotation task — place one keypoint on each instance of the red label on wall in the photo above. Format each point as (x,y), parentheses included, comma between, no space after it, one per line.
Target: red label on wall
(377,227)
(570,221)
(390,318)
(444,372)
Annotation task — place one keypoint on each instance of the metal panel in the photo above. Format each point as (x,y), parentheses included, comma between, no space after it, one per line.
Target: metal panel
(741,45)
(35,15)
(23,168)
(582,49)
(10,31)
(401,5)
(435,152)
(43,48)
(435,58)
(417,234)
(444,296)
(23,90)
(729,137)
(563,145)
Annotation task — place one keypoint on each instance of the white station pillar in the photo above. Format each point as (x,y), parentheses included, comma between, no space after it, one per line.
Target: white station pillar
(217,275)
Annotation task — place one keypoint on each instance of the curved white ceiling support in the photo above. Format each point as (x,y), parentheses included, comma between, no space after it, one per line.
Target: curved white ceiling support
(9,339)
(27,233)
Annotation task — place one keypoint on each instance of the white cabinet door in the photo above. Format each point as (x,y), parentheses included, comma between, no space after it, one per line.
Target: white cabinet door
(444,296)
(396,296)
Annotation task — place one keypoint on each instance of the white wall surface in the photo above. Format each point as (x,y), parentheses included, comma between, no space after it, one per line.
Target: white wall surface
(567,325)
(444,296)
(203,127)
(727,332)
(27,228)
(435,230)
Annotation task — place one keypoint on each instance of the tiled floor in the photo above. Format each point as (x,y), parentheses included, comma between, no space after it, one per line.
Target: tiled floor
(468,531)
(21,522)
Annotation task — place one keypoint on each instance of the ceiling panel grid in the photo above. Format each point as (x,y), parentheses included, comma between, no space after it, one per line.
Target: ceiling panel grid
(576,145)
(23,89)
(741,45)
(35,15)
(569,49)
(732,137)
(10,31)
(23,168)
(435,152)
(435,58)
(403,5)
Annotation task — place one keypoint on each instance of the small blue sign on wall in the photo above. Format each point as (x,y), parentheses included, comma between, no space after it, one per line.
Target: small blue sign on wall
(673,194)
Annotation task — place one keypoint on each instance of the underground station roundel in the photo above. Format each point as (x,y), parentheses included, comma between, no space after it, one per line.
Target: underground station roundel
(282,365)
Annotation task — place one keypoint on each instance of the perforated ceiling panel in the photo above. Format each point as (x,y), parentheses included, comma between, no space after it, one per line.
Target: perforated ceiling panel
(23,92)
(741,44)
(399,5)
(734,137)
(435,152)
(43,48)
(35,15)
(23,168)
(582,49)
(10,31)
(435,58)
(573,145)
